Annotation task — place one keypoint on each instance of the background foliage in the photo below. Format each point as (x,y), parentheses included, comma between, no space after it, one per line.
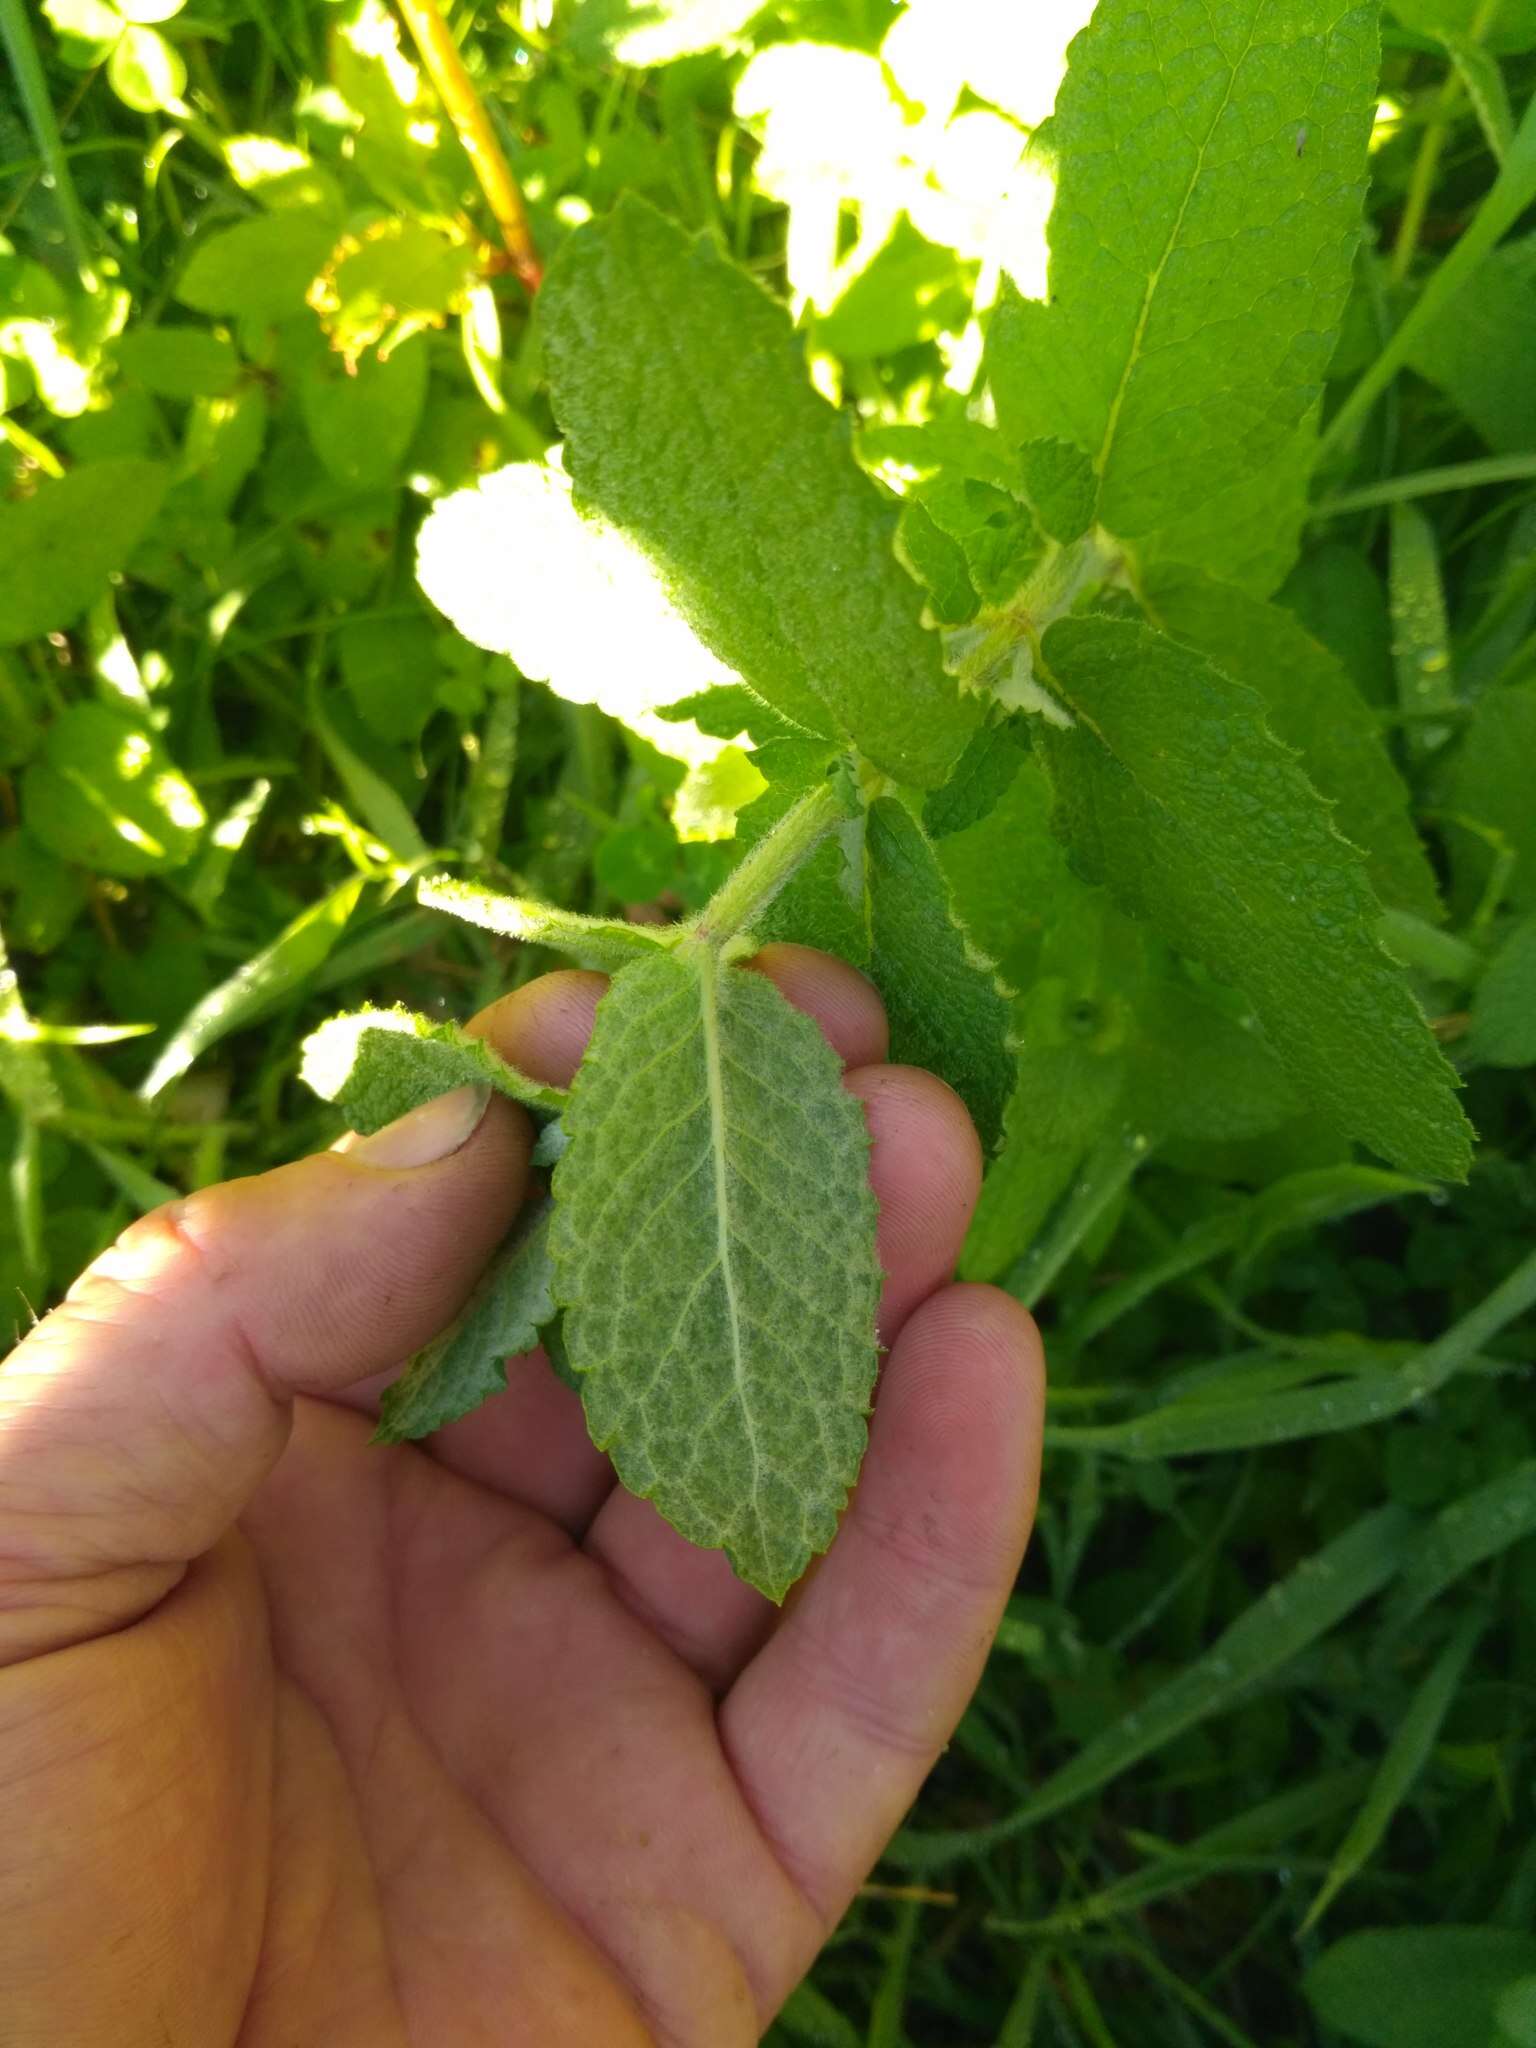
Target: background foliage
(1269,1680)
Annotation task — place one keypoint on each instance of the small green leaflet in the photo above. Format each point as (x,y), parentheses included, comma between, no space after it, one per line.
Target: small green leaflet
(377,1065)
(714,1255)
(982,778)
(1171,790)
(602,942)
(1312,705)
(874,894)
(1200,264)
(946,1010)
(690,425)
(103,793)
(59,546)
(467,1363)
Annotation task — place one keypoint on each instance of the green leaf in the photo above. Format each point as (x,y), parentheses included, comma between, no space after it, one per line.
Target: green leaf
(377,1065)
(277,971)
(1503,1031)
(394,279)
(178,362)
(391,672)
(1211,166)
(874,894)
(1311,705)
(1294,1613)
(727,711)
(361,421)
(1480,348)
(601,942)
(1170,789)
(1418,1987)
(946,1010)
(1407,1753)
(86,29)
(467,1364)
(714,1253)
(691,426)
(59,546)
(104,794)
(982,777)
(146,72)
(260,269)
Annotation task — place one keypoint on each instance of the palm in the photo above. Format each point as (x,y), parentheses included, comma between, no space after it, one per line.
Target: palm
(506,1758)
(462,1744)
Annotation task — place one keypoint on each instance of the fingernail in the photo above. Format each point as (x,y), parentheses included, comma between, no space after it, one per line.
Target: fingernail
(425,1135)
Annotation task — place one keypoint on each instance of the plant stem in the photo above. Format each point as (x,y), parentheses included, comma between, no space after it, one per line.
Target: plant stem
(752,886)
(1421,183)
(466,109)
(32,89)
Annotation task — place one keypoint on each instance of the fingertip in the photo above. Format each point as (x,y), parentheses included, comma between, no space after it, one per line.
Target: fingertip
(925,1166)
(846,1006)
(543,1027)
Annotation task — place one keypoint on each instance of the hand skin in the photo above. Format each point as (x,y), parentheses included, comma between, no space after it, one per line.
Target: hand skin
(308,1744)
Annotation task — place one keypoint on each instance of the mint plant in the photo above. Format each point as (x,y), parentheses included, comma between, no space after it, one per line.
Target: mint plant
(1076,590)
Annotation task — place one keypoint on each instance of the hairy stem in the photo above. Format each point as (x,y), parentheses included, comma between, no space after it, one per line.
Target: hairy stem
(752,886)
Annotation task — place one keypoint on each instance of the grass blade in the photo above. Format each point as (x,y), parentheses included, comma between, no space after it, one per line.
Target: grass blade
(1512,192)
(1406,1755)
(1296,1612)
(1193,1428)
(276,971)
(1468,1532)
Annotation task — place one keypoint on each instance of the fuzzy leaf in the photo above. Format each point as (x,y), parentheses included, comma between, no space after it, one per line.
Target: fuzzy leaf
(467,1364)
(1212,161)
(602,942)
(691,426)
(946,1010)
(982,778)
(1312,705)
(376,1065)
(874,894)
(714,1254)
(1170,790)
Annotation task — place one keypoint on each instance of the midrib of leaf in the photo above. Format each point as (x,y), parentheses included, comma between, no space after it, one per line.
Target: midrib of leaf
(708,972)
(1156,278)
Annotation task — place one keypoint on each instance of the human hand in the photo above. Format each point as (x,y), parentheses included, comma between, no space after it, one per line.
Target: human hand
(308,1742)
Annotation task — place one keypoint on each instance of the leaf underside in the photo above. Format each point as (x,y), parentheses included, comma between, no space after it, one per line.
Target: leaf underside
(468,1363)
(714,1254)
(376,1065)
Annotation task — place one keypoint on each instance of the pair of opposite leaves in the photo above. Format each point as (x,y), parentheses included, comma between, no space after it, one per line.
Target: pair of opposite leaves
(713,1190)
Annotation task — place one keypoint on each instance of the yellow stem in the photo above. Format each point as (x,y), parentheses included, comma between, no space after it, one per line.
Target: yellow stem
(456,89)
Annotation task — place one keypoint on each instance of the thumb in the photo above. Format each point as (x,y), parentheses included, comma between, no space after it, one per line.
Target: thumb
(137,1419)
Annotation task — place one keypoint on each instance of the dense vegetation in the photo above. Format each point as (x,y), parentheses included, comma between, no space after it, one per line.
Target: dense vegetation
(1269,1680)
